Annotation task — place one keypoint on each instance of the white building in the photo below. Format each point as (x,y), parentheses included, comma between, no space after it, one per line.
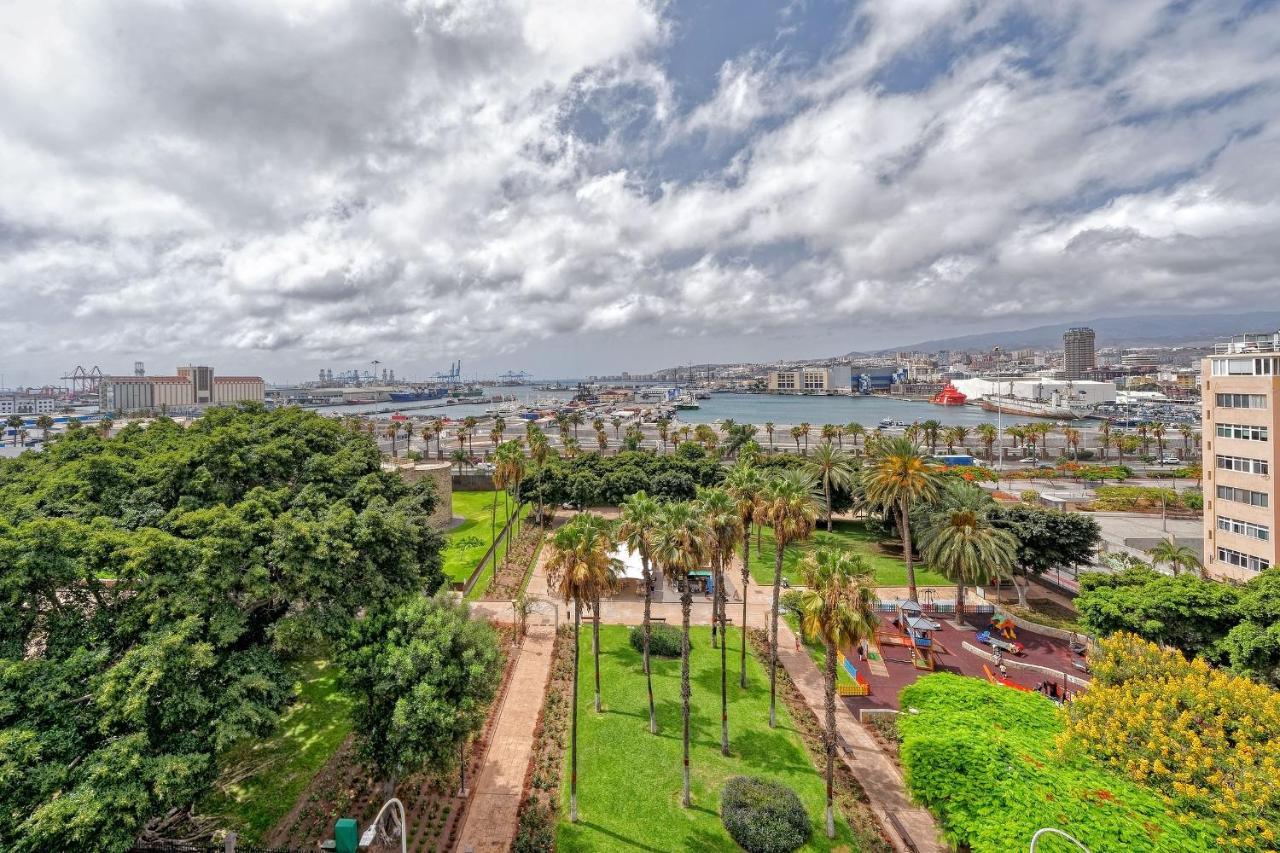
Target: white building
(193,387)
(812,380)
(19,403)
(1080,391)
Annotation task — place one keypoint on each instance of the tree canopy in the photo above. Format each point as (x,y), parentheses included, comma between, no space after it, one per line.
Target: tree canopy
(155,584)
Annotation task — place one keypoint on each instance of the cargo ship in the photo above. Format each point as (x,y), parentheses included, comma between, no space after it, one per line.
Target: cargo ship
(1051,408)
(417,394)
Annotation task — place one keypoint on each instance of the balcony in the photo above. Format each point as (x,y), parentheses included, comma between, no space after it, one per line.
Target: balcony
(1252,343)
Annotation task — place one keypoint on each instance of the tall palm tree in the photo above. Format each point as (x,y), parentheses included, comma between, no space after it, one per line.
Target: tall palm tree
(796,434)
(393,430)
(1157,432)
(44,423)
(828,433)
(961,543)
(901,477)
(768,430)
(640,519)
(576,568)
(14,422)
(745,483)
(682,548)
(987,435)
(1104,438)
(831,467)
(790,508)
(104,426)
(664,432)
(1188,432)
(838,608)
(1144,434)
(617,427)
(932,428)
(470,423)
(805,429)
(539,452)
(460,458)
(577,419)
(602,439)
(725,529)
(437,429)
(508,474)
(1179,557)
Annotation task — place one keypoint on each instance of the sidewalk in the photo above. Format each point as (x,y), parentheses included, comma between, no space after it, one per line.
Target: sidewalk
(872,768)
(492,816)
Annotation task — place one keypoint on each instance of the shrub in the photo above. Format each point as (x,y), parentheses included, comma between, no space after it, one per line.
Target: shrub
(1193,500)
(1030,496)
(536,831)
(664,640)
(763,816)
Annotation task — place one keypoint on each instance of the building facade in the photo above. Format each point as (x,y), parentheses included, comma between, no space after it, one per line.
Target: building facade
(1241,385)
(193,387)
(20,403)
(811,380)
(1078,352)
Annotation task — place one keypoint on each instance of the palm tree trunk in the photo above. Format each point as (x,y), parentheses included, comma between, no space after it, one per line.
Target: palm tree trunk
(686,601)
(724,663)
(826,489)
(573,728)
(906,549)
(493,532)
(960,601)
(831,735)
(773,634)
(506,515)
(746,576)
(595,646)
(648,673)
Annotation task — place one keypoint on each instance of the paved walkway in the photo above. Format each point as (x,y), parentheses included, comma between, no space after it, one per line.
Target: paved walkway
(878,775)
(492,817)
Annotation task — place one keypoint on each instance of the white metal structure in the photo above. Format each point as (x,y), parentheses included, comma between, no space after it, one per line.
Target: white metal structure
(1052,830)
(369,834)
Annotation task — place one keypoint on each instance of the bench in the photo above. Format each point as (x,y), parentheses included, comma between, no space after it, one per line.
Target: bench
(657,619)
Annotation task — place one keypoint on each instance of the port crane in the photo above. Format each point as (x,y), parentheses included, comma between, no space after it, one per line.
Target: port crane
(454,375)
(515,378)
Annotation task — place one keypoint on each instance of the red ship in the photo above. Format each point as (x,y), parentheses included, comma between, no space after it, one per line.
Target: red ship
(948,396)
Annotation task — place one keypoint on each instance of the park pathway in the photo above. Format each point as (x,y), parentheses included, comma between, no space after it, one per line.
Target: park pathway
(910,827)
(492,817)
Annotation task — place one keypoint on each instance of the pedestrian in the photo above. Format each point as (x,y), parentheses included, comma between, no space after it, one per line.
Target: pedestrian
(862,649)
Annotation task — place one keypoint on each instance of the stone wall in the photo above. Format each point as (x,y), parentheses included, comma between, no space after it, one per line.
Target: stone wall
(440,474)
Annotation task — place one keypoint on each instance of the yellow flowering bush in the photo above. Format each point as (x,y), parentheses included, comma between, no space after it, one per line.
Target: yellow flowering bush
(1206,740)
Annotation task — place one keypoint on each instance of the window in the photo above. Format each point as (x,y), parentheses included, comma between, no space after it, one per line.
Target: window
(1243,431)
(1266,366)
(1244,528)
(1242,401)
(1243,465)
(1243,496)
(1244,561)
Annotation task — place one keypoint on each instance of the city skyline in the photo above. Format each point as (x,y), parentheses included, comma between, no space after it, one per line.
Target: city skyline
(630,185)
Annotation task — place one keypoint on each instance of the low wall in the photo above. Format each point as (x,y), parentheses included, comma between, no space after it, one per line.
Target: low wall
(1013,663)
(438,473)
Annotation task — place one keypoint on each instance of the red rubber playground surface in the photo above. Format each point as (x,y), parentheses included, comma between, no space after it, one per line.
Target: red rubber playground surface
(1039,649)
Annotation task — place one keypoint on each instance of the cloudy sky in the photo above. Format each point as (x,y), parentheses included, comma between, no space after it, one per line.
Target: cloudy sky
(580,187)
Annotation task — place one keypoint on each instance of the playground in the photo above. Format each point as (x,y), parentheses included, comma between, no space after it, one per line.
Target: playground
(913,641)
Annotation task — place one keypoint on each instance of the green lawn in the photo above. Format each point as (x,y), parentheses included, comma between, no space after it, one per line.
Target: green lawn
(629,781)
(280,766)
(818,653)
(468,542)
(890,570)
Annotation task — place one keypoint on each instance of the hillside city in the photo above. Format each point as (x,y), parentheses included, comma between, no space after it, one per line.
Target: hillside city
(639,426)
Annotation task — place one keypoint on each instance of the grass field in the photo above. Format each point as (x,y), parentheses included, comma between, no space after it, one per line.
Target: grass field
(818,653)
(629,781)
(468,542)
(279,767)
(890,570)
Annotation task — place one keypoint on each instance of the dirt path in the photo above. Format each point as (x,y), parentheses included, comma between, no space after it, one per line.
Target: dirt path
(873,769)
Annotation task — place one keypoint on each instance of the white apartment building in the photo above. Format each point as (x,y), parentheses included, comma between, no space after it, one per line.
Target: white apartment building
(812,380)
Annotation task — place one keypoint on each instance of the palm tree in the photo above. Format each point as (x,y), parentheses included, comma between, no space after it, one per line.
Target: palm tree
(393,430)
(602,439)
(831,467)
(1157,432)
(104,426)
(664,432)
(900,477)
(838,608)
(790,505)
(508,473)
(805,429)
(1104,438)
(460,458)
(796,433)
(577,567)
(987,434)
(768,430)
(961,543)
(640,519)
(539,451)
(577,419)
(682,547)
(14,422)
(1178,557)
(745,483)
(828,433)
(470,424)
(725,529)
(1144,435)
(437,429)
(855,431)
(932,429)
(572,448)
(1188,432)
(617,427)
(44,423)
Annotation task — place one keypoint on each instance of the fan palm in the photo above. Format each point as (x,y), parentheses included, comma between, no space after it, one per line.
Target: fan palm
(855,431)
(987,433)
(838,608)
(724,525)
(393,430)
(745,483)
(577,568)
(790,508)
(639,528)
(961,543)
(831,467)
(682,547)
(1179,557)
(768,429)
(900,477)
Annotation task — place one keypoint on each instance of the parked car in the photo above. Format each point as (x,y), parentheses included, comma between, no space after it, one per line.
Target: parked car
(1030,460)
(1170,460)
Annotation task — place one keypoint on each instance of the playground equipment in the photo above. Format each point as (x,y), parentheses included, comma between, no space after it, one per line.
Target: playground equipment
(860,687)
(917,631)
(999,679)
(1011,647)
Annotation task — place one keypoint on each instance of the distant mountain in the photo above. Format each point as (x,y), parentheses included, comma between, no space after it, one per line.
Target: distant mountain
(1148,330)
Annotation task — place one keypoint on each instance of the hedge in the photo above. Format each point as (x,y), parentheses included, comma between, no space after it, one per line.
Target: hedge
(763,816)
(664,640)
(983,758)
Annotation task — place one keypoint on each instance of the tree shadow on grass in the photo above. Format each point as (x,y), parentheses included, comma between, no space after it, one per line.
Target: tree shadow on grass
(581,843)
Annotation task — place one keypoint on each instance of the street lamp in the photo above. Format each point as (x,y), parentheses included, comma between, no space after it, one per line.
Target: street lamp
(1054,831)
(369,834)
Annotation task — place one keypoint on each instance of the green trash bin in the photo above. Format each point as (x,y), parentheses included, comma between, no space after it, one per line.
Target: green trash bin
(346,835)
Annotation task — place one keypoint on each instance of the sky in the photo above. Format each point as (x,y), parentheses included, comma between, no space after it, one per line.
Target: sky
(572,188)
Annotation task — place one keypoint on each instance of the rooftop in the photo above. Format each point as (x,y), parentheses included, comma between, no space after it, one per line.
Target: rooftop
(1250,343)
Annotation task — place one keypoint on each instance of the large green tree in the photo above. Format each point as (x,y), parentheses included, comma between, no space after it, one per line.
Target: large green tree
(156,584)
(1047,539)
